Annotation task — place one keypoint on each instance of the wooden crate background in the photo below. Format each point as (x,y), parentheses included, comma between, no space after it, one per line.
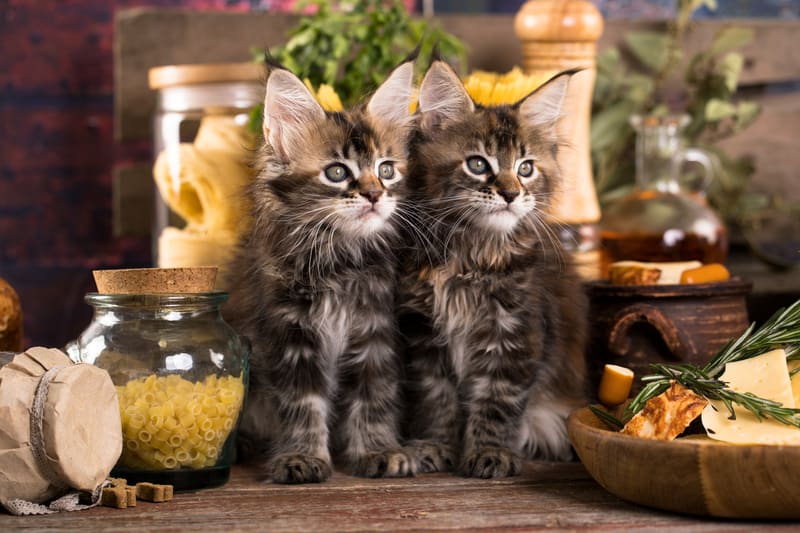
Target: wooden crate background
(146,38)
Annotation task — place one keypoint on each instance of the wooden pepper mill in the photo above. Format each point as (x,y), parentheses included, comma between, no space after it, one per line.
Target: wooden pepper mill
(559,35)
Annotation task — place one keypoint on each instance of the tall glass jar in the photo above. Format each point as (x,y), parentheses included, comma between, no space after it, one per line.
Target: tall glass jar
(203,149)
(181,376)
(666,217)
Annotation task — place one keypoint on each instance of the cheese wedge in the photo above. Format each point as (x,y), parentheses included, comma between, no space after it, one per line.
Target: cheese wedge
(615,385)
(766,376)
(670,272)
(705,274)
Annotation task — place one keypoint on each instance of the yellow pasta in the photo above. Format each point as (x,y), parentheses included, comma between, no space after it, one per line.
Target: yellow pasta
(169,422)
(489,88)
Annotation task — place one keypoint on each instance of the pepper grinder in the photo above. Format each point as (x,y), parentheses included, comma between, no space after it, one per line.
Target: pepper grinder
(558,35)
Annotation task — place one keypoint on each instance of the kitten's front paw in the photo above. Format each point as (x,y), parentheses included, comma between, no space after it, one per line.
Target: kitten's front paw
(491,462)
(432,456)
(299,468)
(388,463)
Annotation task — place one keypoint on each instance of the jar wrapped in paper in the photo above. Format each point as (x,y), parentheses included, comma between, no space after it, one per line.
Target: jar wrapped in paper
(60,432)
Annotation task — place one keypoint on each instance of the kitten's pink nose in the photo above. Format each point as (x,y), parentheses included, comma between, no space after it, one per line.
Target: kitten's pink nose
(508,196)
(371,194)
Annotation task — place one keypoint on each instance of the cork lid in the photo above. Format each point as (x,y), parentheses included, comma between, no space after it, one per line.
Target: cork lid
(179,280)
(175,75)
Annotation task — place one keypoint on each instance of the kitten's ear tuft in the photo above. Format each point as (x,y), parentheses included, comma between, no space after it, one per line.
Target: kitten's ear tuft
(289,107)
(543,106)
(442,96)
(391,102)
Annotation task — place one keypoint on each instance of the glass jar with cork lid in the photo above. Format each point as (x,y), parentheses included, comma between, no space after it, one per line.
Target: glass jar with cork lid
(203,150)
(179,369)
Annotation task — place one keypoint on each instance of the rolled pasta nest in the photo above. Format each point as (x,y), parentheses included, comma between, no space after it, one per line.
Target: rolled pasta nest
(204,182)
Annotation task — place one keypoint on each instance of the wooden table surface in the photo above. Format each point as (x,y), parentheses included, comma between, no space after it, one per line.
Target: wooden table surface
(546,496)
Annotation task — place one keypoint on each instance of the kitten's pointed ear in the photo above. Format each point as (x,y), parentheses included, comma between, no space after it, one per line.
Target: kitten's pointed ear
(288,108)
(391,101)
(442,96)
(543,106)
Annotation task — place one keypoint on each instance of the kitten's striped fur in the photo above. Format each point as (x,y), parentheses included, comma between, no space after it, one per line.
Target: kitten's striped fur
(492,313)
(314,285)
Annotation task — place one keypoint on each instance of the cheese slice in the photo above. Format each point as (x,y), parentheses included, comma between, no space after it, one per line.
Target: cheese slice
(670,271)
(766,376)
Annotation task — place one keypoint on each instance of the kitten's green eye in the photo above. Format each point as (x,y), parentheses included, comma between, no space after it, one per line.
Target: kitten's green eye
(525,169)
(477,165)
(386,171)
(337,173)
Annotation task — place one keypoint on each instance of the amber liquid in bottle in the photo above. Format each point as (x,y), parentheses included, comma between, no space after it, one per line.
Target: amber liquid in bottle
(663,219)
(675,246)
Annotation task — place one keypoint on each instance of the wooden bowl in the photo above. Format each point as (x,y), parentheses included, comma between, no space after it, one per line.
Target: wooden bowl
(635,325)
(155,280)
(694,475)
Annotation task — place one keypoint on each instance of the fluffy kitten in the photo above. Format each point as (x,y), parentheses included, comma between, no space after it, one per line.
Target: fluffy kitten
(314,284)
(492,313)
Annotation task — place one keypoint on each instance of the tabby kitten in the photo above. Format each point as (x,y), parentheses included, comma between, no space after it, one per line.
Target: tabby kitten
(314,284)
(492,313)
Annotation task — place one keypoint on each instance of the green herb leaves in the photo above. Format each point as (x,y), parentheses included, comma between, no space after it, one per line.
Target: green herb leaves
(782,330)
(353,46)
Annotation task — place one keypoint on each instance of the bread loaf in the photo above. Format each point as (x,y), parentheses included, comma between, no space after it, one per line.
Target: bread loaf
(10,319)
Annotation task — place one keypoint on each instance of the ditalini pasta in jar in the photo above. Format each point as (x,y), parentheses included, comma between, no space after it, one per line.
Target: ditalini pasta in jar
(181,374)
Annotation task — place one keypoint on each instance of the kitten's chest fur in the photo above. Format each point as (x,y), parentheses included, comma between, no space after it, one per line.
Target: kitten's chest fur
(343,307)
(462,302)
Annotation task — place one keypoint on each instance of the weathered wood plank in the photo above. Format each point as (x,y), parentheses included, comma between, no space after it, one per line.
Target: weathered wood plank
(772,142)
(133,200)
(145,38)
(769,58)
(149,37)
(545,496)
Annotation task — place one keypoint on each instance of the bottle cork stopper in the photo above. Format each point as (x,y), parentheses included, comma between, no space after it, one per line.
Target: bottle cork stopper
(179,280)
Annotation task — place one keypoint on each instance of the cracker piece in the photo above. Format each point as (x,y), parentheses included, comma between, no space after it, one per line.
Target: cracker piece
(633,275)
(151,492)
(114,496)
(667,415)
(130,493)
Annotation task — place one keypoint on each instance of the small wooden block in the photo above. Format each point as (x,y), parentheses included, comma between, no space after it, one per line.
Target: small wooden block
(151,492)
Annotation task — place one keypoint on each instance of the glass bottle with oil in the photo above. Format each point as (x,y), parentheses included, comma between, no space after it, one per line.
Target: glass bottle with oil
(665,218)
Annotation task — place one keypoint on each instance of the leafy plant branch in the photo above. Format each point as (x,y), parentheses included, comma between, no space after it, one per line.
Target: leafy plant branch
(641,77)
(353,45)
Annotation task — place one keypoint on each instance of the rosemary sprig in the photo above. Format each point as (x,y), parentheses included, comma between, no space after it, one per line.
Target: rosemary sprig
(607,417)
(714,389)
(782,330)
